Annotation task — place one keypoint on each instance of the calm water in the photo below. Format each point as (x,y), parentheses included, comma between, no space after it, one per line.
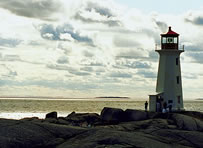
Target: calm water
(20,108)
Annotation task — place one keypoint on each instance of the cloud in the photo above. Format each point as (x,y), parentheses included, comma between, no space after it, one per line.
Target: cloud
(63,60)
(88,54)
(7,72)
(50,32)
(79,73)
(57,84)
(95,13)
(120,75)
(40,9)
(102,10)
(193,47)
(196,56)
(11,58)
(9,42)
(121,64)
(88,69)
(133,54)
(125,42)
(162,25)
(71,70)
(194,17)
(146,74)
(58,67)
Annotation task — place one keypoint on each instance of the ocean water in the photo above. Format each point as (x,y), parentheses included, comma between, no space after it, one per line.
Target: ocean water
(22,108)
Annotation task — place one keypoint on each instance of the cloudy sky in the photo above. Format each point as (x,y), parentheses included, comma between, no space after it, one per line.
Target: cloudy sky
(89,48)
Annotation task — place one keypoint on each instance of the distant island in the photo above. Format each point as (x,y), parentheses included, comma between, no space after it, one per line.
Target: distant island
(200,99)
(113,97)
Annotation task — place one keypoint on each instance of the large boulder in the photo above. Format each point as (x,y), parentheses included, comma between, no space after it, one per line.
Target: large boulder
(112,114)
(89,118)
(135,115)
(187,123)
(51,115)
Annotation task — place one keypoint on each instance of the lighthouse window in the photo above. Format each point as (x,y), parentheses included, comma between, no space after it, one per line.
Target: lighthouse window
(164,40)
(177,61)
(175,40)
(170,40)
(178,79)
(179,99)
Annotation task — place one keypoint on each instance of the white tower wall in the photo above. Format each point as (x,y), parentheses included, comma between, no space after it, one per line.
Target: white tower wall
(168,73)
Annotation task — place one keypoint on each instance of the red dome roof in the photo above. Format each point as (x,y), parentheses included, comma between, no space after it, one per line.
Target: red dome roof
(170,33)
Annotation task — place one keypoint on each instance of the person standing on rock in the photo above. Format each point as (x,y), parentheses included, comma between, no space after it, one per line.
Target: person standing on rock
(164,107)
(146,105)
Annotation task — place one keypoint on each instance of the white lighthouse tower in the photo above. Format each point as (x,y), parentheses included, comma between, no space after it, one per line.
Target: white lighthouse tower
(169,82)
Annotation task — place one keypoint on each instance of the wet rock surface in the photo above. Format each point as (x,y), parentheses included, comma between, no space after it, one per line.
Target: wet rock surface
(120,129)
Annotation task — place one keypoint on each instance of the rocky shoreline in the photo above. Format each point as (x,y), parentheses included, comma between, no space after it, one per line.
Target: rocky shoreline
(113,128)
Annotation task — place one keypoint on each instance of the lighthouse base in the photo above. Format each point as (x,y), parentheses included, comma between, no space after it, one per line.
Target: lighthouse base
(156,104)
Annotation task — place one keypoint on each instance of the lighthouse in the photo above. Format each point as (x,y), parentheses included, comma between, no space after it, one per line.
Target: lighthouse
(169,82)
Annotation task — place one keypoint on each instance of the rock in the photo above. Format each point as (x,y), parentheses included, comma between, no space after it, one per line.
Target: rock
(33,119)
(187,123)
(135,115)
(63,120)
(52,115)
(154,132)
(24,134)
(82,119)
(112,115)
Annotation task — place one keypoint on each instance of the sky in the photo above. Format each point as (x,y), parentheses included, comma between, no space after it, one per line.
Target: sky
(91,48)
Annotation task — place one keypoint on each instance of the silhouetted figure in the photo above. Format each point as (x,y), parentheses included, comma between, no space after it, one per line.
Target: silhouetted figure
(170,107)
(164,107)
(158,106)
(146,105)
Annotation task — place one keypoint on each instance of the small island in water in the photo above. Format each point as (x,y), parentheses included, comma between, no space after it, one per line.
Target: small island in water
(113,97)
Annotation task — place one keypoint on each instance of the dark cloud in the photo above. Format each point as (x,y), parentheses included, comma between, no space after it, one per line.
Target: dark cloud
(196,47)
(88,69)
(132,64)
(146,74)
(99,9)
(88,54)
(153,56)
(111,19)
(110,23)
(120,75)
(79,73)
(132,54)
(9,42)
(67,68)
(40,9)
(8,72)
(196,20)
(62,60)
(196,56)
(50,32)
(162,26)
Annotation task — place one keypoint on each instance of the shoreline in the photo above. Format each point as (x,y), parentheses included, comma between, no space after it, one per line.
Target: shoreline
(113,127)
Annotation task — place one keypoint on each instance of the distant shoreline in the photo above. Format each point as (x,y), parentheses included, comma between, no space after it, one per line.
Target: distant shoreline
(113,97)
(48,97)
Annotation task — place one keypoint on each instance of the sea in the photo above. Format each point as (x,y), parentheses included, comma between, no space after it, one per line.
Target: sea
(18,108)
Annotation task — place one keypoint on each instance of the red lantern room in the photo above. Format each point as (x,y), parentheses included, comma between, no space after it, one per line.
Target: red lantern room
(169,41)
